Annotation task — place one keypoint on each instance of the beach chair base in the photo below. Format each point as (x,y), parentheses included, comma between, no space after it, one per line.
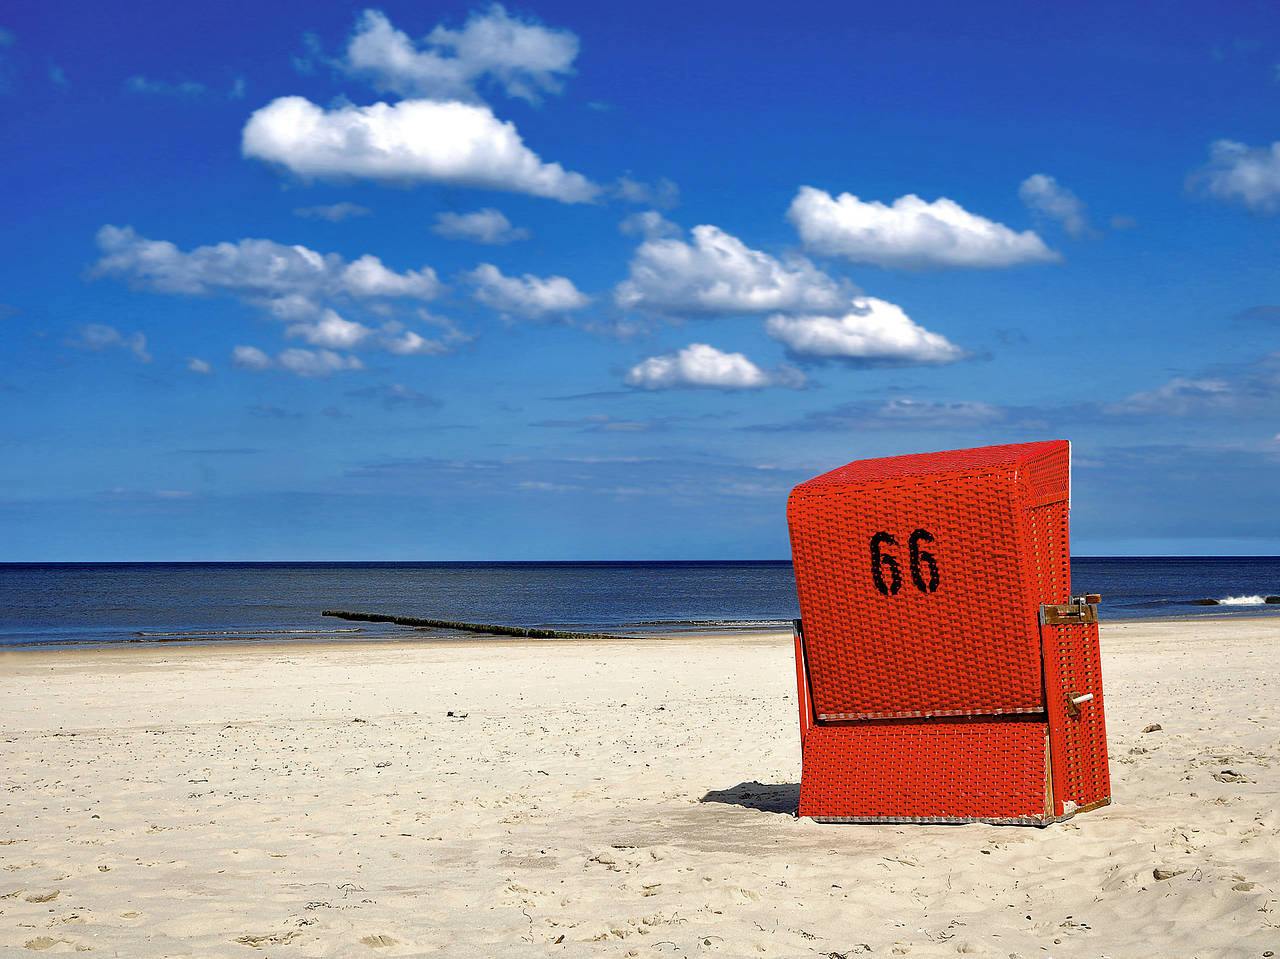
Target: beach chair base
(935,769)
(929,770)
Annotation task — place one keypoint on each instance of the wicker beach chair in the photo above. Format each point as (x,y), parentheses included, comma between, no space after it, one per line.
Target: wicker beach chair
(945,673)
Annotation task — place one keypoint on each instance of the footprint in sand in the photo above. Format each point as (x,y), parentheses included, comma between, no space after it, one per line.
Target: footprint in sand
(47,896)
(40,943)
(273,939)
(377,942)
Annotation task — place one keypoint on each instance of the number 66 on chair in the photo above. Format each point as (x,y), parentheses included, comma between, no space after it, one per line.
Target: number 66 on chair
(945,674)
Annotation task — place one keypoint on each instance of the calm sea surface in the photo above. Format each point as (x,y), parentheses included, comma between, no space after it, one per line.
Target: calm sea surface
(65,603)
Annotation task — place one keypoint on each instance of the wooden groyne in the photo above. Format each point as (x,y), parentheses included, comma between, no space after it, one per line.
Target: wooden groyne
(492,628)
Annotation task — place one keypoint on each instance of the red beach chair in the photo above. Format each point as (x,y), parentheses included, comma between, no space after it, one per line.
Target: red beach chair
(945,673)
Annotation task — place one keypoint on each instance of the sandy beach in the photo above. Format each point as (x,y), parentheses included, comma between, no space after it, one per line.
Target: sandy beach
(628,798)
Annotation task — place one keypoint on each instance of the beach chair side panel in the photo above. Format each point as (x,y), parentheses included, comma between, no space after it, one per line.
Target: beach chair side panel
(1072,669)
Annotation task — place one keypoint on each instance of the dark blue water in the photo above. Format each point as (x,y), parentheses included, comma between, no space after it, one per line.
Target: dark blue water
(183,602)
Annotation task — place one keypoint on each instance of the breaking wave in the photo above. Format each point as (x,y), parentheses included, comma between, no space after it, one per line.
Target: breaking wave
(1253,600)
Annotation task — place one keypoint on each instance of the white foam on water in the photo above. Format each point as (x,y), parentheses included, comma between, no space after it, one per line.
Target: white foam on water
(1242,601)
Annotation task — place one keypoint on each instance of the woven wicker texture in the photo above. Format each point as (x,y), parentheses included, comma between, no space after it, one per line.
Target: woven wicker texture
(1079,742)
(933,768)
(918,465)
(920,580)
(919,583)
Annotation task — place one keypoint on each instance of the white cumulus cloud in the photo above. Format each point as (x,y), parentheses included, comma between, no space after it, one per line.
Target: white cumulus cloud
(1045,196)
(527,296)
(702,366)
(909,234)
(523,58)
(461,144)
(294,285)
(409,343)
(252,268)
(197,365)
(481,226)
(396,339)
(250,358)
(316,362)
(331,331)
(717,274)
(367,277)
(1237,173)
(334,332)
(872,332)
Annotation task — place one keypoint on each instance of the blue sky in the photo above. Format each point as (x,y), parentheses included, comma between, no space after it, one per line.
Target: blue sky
(594,281)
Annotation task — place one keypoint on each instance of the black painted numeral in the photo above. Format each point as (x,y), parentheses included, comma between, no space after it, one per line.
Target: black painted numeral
(918,559)
(919,556)
(880,560)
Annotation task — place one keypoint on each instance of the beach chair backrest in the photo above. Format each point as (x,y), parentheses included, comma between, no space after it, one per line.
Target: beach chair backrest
(921,577)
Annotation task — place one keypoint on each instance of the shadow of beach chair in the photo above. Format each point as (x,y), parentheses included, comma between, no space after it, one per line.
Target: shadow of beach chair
(945,673)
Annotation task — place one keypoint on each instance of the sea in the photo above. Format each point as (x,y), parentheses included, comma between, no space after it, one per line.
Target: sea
(66,604)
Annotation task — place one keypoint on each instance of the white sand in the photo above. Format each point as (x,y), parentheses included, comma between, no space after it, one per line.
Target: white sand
(597,799)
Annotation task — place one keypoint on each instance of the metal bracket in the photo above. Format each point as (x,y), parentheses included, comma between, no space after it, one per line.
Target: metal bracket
(1081,610)
(1073,703)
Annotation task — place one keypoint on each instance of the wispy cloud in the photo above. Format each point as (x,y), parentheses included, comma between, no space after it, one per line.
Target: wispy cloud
(649,224)
(163,88)
(521,57)
(308,363)
(680,480)
(607,423)
(253,268)
(269,411)
(395,395)
(1237,173)
(663,193)
(1044,196)
(1232,390)
(481,226)
(1179,397)
(293,284)
(334,212)
(7,41)
(180,89)
(1263,313)
(96,337)
(902,413)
